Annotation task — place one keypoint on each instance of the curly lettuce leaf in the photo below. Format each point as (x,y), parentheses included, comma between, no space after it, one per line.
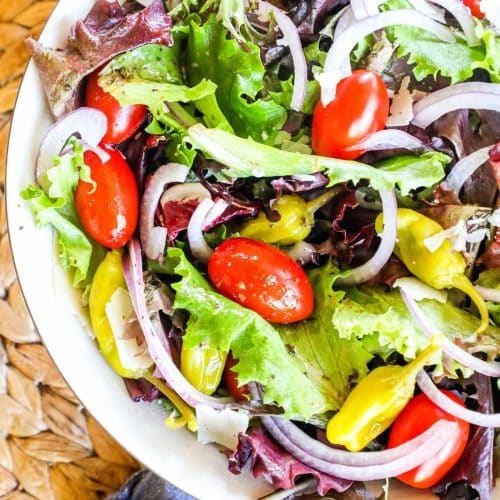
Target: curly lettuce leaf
(238,74)
(155,95)
(431,56)
(62,178)
(218,322)
(333,363)
(152,75)
(108,30)
(56,207)
(153,62)
(383,323)
(247,158)
(74,248)
(169,117)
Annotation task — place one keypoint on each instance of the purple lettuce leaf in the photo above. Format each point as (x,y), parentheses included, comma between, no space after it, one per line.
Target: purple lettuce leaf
(143,153)
(299,184)
(490,258)
(175,216)
(467,132)
(475,467)
(239,197)
(269,461)
(107,31)
(317,12)
(142,390)
(353,229)
(390,272)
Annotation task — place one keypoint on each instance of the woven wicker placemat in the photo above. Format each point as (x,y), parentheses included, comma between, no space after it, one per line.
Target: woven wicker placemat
(50,448)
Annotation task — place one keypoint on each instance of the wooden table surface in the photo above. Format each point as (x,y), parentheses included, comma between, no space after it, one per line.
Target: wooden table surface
(50,448)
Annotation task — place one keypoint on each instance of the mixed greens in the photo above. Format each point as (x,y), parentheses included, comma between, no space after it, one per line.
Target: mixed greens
(281,213)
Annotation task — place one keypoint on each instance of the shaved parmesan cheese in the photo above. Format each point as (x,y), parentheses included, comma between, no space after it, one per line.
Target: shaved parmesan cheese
(457,234)
(121,317)
(494,218)
(418,290)
(401,112)
(221,427)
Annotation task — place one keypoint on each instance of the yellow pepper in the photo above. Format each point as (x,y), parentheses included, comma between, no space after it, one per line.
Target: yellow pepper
(107,279)
(295,224)
(203,368)
(376,401)
(186,414)
(443,268)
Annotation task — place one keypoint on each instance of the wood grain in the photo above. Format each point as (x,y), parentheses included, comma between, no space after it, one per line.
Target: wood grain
(46,449)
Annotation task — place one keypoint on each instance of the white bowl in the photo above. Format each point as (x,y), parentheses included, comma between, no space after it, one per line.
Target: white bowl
(175,455)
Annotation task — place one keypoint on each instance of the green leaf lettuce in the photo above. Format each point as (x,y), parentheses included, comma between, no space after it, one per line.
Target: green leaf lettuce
(247,158)
(306,367)
(454,60)
(383,323)
(76,251)
(238,73)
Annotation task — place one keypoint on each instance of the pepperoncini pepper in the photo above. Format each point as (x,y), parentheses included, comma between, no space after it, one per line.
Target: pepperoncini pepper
(107,279)
(295,224)
(376,401)
(203,368)
(443,268)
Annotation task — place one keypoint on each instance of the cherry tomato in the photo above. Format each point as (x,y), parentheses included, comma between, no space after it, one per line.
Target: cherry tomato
(360,108)
(262,278)
(418,416)
(109,213)
(475,7)
(123,122)
(230,379)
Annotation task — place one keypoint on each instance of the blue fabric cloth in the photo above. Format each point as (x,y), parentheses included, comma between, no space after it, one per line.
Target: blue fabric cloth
(147,485)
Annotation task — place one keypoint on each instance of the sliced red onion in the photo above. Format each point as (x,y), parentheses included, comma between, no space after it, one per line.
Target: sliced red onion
(464,18)
(215,212)
(103,155)
(463,169)
(457,353)
(337,64)
(359,9)
(90,124)
(197,244)
(424,452)
(489,294)
(373,266)
(389,139)
(154,242)
(184,192)
(429,10)
(459,89)
(449,406)
(322,451)
(345,20)
(291,38)
(302,252)
(132,269)
(470,95)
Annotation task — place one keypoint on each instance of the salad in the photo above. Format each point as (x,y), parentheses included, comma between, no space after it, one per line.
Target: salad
(283,219)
